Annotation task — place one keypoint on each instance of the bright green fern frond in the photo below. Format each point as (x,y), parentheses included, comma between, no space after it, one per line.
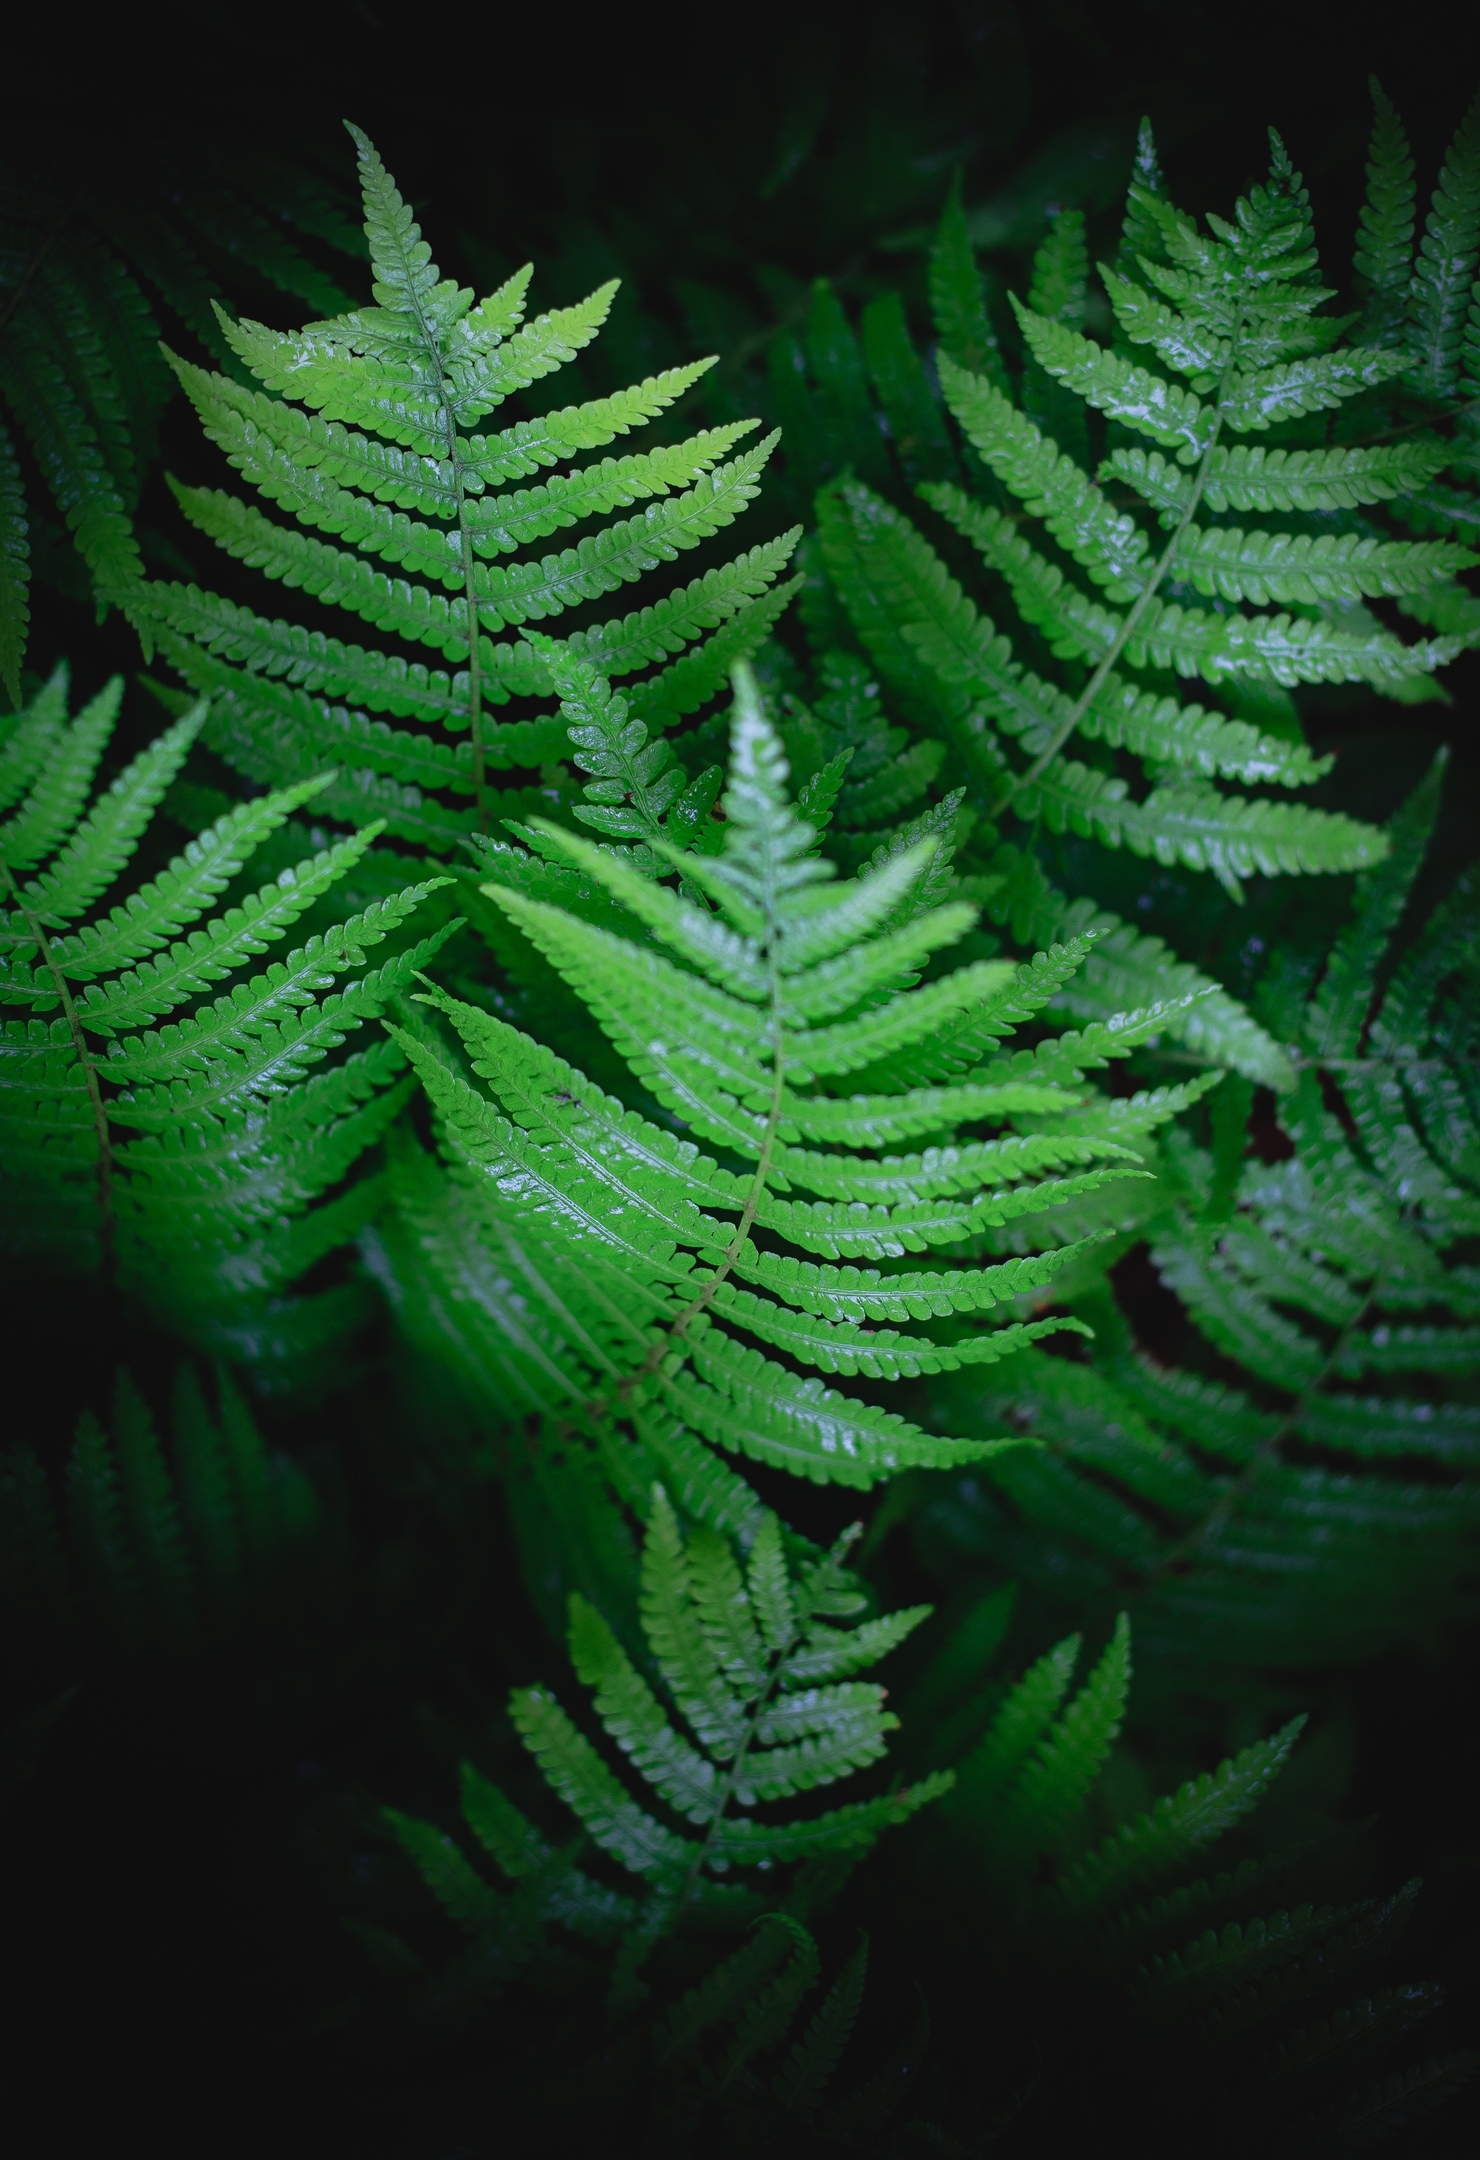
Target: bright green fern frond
(386,461)
(726,1036)
(202,1216)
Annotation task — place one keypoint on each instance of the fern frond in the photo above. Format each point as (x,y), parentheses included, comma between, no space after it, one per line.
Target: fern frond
(1158,1842)
(203,1215)
(386,462)
(958,303)
(752,1671)
(159,1550)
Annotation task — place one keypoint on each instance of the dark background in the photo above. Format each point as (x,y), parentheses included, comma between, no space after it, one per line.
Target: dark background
(175,1920)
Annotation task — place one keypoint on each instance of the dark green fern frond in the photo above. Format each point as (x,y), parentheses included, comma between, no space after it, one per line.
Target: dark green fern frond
(1384,251)
(15,570)
(83,268)
(1330,1498)
(160,1116)
(1122,582)
(135,1547)
(1448,256)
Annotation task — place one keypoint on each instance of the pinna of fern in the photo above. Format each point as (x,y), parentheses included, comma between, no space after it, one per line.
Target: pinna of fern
(163,1118)
(748,1001)
(1318,1497)
(363,431)
(1235,313)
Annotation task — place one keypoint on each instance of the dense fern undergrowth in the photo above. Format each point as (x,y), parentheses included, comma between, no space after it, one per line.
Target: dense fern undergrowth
(752,1237)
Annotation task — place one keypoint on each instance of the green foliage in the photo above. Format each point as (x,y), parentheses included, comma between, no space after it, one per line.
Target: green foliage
(1323,1503)
(1235,314)
(695,1143)
(83,268)
(190,1154)
(758,1670)
(1165,1951)
(136,1549)
(787,980)
(376,449)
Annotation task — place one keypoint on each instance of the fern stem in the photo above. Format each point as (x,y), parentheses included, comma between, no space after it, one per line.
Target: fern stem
(753,1198)
(726,1790)
(475,657)
(1147,594)
(465,547)
(106,1229)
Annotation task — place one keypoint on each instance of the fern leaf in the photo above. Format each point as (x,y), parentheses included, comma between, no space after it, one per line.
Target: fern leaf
(878,1353)
(867,1296)
(51,806)
(458,1888)
(1316,384)
(187,970)
(1225,563)
(1052,487)
(1191,822)
(159,910)
(1133,395)
(1341,1004)
(1158,1841)
(99,847)
(634,1718)
(1383,254)
(577,1773)
(1056,1781)
(957,301)
(1447,257)
(65,445)
(232,1057)
(853,1828)
(745,1404)
(801,2081)
(1021,1721)
(673,1617)
(1250,477)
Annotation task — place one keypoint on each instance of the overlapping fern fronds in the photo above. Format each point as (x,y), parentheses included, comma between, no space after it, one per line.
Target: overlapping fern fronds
(751,997)
(1260,1999)
(1234,316)
(1246,1998)
(1356,461)
(163,1118)
(363,433)
(1326,1507)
